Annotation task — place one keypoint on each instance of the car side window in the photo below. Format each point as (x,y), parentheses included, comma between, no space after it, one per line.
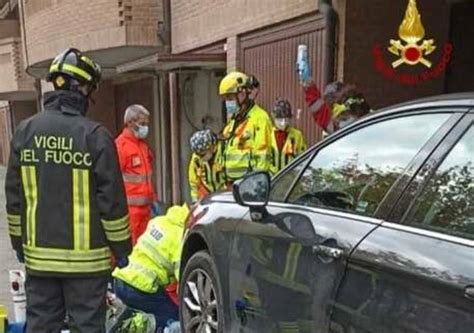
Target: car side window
(282,185)
(446,204)
(354,173)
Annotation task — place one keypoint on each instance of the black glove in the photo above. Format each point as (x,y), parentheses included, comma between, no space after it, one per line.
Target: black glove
(122,262)
(20,257)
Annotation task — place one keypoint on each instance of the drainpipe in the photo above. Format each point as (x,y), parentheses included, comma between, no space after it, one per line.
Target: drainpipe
(164,27)
(175,138)
(330,38)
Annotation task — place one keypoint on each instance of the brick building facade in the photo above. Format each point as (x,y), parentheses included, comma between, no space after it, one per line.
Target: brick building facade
(170,55)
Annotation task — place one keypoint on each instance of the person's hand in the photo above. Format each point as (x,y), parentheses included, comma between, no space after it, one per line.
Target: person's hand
(20,257)
(122,262)
(155,209)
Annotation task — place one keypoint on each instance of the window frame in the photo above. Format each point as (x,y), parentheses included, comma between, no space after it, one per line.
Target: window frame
(418,185)
(393,195)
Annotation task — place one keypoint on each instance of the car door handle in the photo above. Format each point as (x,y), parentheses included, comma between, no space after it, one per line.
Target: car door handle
(328,251)
(469,292)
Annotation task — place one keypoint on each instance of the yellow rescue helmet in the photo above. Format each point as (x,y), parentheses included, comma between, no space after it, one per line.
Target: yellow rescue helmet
(233,83)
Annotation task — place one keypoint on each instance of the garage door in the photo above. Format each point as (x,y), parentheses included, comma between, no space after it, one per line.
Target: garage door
(270,55)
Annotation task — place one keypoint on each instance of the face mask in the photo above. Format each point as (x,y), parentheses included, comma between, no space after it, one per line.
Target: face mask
(282,123)
(347,121)
(141,132)
(231,107)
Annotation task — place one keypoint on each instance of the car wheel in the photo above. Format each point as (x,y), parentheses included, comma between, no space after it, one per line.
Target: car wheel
(201,306)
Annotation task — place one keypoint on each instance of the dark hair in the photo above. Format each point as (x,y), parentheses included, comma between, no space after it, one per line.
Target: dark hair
(338,92)
(331,90)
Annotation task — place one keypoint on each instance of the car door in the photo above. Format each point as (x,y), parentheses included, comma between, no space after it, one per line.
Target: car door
(418,275)
(287,266)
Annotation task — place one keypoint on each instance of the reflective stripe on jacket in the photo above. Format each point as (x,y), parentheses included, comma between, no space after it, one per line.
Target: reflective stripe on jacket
(155,259)
(247,144)
(294,145)
(136,163)
(66,205)
(206,176)
(318,108)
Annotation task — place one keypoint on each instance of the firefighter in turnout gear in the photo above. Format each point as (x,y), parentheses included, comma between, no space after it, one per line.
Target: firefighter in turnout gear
(66,205)
(287,141)
(248,132)
(205,172)
(154,265)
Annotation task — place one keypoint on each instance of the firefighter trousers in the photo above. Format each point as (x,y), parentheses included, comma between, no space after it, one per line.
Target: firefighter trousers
(48,300)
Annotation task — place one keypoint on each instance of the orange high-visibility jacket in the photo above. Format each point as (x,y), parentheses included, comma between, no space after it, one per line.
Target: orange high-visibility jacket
(136,163)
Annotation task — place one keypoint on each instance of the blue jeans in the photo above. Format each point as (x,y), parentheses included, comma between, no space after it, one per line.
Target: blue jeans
(159,303)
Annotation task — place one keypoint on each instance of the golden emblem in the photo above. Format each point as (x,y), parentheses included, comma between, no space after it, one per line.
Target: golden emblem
(411,31)
(60,81)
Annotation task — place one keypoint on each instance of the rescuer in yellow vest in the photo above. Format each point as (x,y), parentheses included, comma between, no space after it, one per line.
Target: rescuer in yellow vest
(153,265)
(247,134)
(287,142)
(205,172)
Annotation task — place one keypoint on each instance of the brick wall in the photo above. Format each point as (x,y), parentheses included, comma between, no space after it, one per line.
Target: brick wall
(196,23)
(53,25)
(377,21)
(9,28)
(5,134)
(13,78)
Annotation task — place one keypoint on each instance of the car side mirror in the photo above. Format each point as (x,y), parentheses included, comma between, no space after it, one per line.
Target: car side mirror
(253,190)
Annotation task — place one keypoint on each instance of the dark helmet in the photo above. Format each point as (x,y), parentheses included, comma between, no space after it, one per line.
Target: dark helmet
(71,65)
(282,109)
(253,82)
(202,141)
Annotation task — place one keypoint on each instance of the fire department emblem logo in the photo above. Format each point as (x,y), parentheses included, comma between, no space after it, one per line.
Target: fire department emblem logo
(412,48)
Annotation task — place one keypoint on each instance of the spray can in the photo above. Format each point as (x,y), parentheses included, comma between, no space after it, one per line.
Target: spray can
(17,289)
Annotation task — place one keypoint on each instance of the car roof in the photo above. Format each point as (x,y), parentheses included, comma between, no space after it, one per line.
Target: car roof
(439,101)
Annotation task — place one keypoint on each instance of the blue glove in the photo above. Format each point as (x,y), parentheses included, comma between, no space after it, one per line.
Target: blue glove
(20,257)
(122,262)
(155,209)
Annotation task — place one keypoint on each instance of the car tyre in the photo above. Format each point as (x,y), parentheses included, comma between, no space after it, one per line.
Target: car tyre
(201,305)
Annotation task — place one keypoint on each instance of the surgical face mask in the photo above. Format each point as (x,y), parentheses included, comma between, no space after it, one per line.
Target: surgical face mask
(282,123)
(231,106)
(141,132)
(346,121)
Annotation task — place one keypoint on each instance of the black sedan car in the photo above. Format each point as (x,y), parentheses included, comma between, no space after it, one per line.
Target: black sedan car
(371,230)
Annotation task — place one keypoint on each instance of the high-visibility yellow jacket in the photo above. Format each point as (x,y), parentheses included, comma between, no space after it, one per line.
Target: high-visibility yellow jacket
(206,176)
(294,145)
(155,259)
(247,143)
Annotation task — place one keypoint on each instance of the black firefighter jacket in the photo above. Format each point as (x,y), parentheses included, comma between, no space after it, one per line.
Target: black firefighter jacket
(66,204)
